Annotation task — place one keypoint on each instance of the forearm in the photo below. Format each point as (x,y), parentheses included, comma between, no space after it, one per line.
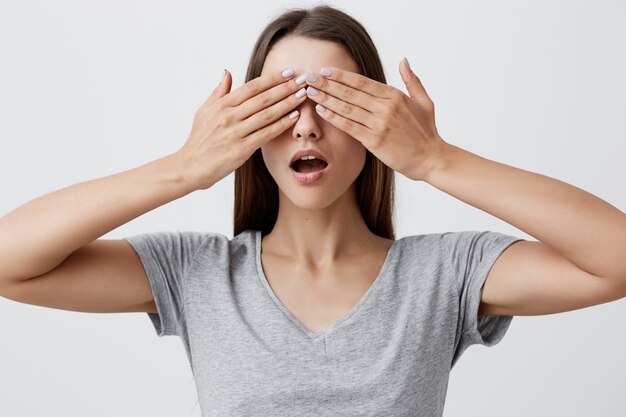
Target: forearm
(588,231)
(37,236)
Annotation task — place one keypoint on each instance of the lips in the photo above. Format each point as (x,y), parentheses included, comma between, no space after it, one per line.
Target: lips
(305,152)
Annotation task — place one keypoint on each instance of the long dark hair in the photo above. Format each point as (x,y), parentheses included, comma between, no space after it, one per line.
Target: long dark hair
(256,192)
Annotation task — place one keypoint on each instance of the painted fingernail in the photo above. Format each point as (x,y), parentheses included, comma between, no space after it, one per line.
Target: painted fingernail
(320,108)
(294,114)
(301,93)
(406,61)
(312,91)
(288,72)
(326,72)
(301,79)
(311,77)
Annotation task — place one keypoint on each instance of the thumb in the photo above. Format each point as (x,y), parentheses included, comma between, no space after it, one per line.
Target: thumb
(411,80)
(222,88)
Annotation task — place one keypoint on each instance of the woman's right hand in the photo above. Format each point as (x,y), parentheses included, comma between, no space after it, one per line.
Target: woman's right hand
(229,127)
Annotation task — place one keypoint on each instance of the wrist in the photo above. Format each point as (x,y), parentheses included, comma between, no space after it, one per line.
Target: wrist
(438,161)
(180,172)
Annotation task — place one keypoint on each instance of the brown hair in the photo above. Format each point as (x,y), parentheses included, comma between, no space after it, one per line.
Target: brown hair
(256,192)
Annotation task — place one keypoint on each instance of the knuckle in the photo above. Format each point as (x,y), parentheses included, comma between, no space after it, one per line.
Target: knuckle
(262,99)
(348,108)
(396,100)
(219,106)
(384,130)
(223,120)
(261,133)
(287,87)
(363,83)
(348,125)
(392,108)
(254,86)
(397,94)
(349,92)
(284,124)
(266,114)
(266,132)
(277,77)
(380,129)
(385,111)
(323,97)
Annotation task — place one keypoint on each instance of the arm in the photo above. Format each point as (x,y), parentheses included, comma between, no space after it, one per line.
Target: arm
(49,251)
(580,257)
(37,236)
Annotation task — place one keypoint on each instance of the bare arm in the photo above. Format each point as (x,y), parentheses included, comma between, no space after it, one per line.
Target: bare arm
(50,254)
(37,236)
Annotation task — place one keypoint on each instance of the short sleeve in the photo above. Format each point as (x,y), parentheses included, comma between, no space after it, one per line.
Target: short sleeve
(472,255)
(167,257)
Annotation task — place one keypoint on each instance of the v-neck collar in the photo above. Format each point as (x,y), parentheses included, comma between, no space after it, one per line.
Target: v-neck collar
(355,308)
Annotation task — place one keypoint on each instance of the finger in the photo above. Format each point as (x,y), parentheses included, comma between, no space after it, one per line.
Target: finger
(358,81)
(261,101)
(257,85)
(348,94)
(220,90)
(411,80)
(347,110)
(267,115)
(354,129)
(269,132)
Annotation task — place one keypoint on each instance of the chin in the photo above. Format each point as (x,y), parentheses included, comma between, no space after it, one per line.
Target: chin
(309,199)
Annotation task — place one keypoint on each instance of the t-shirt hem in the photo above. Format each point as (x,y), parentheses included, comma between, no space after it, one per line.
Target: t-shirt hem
(163,319)
(487,330)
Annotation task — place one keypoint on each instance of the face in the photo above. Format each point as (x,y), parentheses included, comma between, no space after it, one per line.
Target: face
(344,154)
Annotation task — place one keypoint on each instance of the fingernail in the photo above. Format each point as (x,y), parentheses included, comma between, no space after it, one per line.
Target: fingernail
(301,79)
(312,91)
(406,62)
(326,72)
(223,76)
(320,108)
(294,114)
(288,72)
(311,77)
(301,93)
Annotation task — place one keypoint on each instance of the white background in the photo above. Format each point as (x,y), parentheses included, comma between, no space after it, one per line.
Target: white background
(88,89)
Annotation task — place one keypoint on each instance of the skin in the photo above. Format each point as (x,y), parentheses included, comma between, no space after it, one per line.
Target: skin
(319,230)
(578,258)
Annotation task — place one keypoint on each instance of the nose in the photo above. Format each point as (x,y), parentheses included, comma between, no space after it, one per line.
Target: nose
(308,124)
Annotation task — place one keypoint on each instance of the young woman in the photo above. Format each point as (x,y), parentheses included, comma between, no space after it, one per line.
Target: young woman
(313,307)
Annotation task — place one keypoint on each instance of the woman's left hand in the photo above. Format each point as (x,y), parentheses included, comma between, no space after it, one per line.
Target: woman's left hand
(398,129)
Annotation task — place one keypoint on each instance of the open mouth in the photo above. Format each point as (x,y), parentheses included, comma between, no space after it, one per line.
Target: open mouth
(306,166)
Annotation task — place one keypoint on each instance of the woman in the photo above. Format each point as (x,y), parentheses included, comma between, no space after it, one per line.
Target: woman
(314,308)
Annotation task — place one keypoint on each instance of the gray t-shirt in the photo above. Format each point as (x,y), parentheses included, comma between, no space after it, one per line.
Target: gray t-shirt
(391,354)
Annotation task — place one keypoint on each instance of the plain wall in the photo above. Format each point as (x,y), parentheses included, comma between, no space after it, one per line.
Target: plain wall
(88,89)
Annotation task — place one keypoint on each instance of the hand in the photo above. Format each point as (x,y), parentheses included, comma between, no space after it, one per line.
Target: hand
(398,129)
(229,127)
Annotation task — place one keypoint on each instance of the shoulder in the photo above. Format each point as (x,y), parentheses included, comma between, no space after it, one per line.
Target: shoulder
(217,244)
(455,246)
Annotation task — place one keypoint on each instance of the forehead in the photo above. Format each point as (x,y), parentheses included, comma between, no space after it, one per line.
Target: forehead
(307,55)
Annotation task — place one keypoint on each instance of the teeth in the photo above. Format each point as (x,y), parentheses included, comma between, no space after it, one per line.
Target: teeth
(307,157)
